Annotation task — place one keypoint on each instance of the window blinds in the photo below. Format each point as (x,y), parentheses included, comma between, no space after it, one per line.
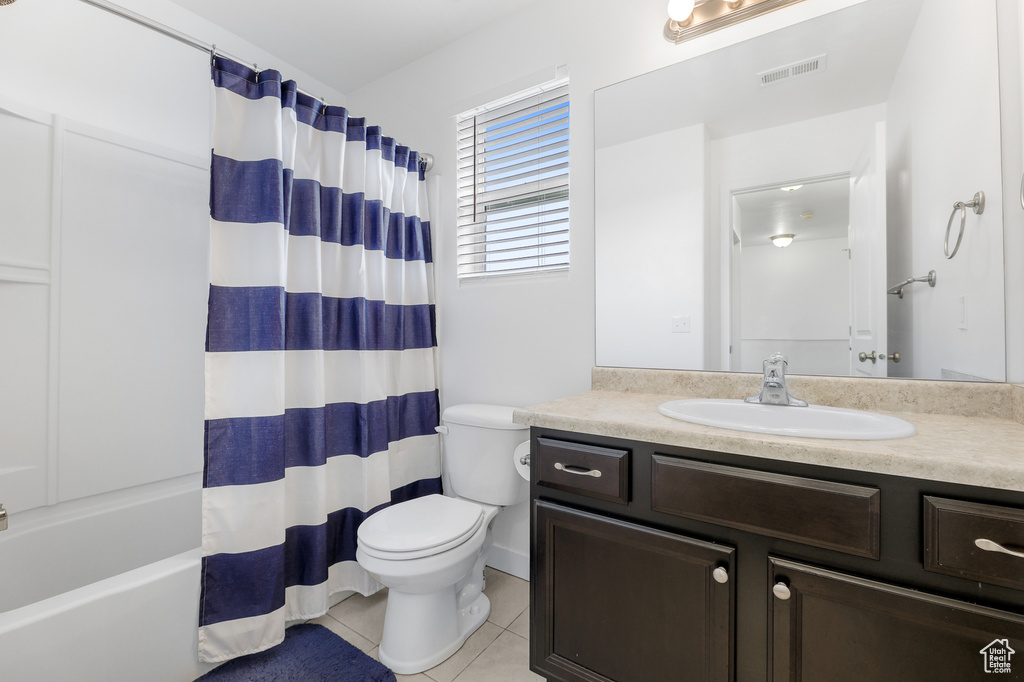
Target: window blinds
(513,185)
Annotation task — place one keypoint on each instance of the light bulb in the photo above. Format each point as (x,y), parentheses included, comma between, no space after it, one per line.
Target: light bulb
(680,10)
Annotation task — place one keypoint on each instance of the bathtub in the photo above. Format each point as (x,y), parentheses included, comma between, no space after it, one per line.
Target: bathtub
(104,589)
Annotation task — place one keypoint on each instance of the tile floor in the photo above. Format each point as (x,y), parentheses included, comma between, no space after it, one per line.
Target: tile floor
(498,652)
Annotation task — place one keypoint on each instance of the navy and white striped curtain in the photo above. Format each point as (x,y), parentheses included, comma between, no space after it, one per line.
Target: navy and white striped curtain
(321,392)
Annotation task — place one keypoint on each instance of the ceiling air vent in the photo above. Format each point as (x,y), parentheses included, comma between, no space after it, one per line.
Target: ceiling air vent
(804,67)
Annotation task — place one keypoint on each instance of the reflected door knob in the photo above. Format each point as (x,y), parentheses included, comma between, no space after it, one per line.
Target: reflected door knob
(873,357)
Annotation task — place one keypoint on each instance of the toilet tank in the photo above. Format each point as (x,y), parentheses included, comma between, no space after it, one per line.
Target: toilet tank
(478,449)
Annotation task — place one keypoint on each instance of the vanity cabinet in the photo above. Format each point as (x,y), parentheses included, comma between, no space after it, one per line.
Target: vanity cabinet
(684,564)
(827,625)
(620,601)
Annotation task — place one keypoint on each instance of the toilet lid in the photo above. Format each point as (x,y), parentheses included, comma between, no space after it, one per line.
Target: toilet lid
(423,526)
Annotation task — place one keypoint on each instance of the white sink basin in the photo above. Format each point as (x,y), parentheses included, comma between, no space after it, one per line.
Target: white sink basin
(814,421)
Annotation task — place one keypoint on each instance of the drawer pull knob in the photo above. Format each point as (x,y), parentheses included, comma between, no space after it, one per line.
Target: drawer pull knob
(579,471)
(990,546)
(781,590)
(720,575)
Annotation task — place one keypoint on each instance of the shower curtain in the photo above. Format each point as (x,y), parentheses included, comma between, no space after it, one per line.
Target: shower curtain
(321,392)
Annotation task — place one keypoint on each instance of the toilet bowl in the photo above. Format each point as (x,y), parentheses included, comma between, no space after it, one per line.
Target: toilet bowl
(435,598)
(431,551)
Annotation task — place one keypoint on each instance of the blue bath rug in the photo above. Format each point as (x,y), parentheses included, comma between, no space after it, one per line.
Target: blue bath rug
(309,653)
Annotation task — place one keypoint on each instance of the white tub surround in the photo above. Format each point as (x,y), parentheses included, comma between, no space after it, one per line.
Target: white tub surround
(967,433)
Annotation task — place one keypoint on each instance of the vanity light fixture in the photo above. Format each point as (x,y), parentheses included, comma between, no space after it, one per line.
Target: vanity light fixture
(691,18)
(781,240)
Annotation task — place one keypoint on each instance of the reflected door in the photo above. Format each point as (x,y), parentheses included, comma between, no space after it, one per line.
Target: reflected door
(867,259)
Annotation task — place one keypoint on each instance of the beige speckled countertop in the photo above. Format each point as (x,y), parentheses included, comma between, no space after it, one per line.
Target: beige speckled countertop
(967,433)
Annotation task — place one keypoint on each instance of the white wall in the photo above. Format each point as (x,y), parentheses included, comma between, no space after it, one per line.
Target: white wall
(650,228)
(805,314)
(1011,93)
(932,165)
(816,147)
(103,281)
(525,341)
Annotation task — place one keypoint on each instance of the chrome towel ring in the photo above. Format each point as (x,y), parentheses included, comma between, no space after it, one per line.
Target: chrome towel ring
(978,204)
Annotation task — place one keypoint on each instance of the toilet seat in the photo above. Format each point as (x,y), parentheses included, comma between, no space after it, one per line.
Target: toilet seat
(419,528)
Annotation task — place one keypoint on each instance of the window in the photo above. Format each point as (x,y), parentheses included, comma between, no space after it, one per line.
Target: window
(513,185)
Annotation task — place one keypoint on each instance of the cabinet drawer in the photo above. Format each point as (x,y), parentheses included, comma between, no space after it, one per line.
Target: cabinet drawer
(951,528)
(820,513)
(586,469)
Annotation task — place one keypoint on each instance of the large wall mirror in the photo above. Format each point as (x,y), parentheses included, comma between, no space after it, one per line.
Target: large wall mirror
(855,132)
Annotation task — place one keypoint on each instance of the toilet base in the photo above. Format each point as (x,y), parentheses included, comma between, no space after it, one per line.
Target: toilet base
(416,639)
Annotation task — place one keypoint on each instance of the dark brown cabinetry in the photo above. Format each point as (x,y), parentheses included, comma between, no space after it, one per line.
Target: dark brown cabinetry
(979,542)
(833,626)
(814,512)
(618,601)
(696,565)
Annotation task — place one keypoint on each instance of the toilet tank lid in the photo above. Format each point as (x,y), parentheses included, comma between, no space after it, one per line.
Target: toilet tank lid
(487,416)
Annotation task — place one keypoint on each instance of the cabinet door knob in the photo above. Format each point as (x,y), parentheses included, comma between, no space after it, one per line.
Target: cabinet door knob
(721,575)
(781,590)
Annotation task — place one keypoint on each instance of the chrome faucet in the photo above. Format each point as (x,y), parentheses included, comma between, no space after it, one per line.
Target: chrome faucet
(773,388)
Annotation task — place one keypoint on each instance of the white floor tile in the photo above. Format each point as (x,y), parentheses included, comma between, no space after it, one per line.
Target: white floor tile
(521,625)
(346,633)
(460,660)
(365,615)
(507,660)
(509,596)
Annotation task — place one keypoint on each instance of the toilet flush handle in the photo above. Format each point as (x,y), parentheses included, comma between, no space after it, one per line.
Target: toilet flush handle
(441,429)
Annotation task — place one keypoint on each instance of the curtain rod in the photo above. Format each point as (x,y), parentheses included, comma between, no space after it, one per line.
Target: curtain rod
(426,160)
(166,30)
(137,18)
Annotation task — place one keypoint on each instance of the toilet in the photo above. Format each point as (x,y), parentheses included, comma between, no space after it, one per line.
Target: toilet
(430,552)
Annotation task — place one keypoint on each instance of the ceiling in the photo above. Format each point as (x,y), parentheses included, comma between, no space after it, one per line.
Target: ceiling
(770,211)
(349,43)
(862,46)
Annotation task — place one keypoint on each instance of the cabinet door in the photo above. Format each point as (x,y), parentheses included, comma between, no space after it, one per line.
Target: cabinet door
(617,601)
(836,627)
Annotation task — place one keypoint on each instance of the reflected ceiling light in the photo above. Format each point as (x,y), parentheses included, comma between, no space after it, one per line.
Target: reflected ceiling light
(791,188)
(691,18)
(781,240)
(808,215)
